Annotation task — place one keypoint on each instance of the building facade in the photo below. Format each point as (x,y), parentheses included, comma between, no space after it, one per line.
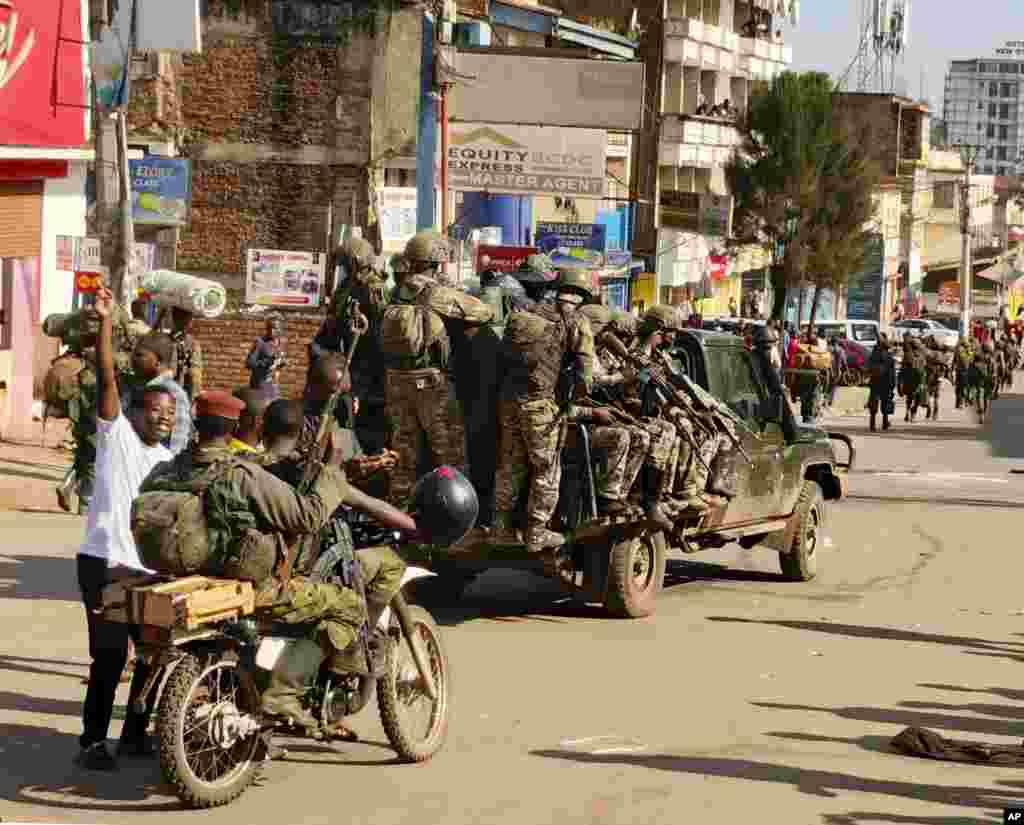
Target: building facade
(43,160)
(984,106)
(703,57)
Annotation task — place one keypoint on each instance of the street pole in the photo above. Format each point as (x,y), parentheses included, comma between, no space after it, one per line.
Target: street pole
(968,153)
(444,159)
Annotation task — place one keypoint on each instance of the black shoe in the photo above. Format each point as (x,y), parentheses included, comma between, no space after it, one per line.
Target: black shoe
(135,747)
(96,757)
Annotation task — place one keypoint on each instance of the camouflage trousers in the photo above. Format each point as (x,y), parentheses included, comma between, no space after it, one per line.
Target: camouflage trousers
(664,443)
(639,454)
(683,477)
(531,441)
(697,471)
(422,405)
(337,613)
(382,570)
(615,441)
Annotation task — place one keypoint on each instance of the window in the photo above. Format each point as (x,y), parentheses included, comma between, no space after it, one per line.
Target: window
(981,106)
(731,378)
(945,194)
(1004,111)
(1004,132)
(993,89)
(1001,153)
(1008,68)
(991,130)
(1005,89)
(992,108)
(865,333)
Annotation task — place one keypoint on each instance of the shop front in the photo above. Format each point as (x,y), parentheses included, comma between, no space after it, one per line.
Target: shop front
(42,187)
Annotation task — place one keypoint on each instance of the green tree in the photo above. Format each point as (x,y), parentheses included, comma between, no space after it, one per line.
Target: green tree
(803,182)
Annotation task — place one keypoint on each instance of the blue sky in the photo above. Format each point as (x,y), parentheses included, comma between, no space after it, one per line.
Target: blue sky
(827,37)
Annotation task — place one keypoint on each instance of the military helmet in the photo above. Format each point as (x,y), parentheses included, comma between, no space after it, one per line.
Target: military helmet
(662,318)
(599,316)
(445,506)
(576,280)
(426,247)
(357,253)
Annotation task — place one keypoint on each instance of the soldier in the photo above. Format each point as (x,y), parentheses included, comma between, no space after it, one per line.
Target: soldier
(935,369)
(189,368)
(962,359)
(881,366)
(336,613)
(541,347)
(247,441)
(423,335)
(983,372)
(912,377)
(365,289)
(399,267)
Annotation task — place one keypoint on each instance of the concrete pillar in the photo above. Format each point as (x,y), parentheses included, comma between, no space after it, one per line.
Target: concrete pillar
(19,277)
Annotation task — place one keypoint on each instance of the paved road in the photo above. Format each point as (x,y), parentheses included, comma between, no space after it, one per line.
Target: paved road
(746,699)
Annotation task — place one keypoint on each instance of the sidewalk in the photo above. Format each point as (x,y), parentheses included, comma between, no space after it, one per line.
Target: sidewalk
(29,470)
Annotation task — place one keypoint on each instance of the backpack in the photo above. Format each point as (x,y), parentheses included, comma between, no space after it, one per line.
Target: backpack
(192,525)
(413,337)
(61,382)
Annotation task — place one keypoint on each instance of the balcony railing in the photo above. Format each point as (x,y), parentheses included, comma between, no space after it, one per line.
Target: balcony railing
(696,141)
(695,43)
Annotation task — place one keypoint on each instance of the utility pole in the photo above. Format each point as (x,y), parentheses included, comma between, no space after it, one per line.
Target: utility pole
(968,153)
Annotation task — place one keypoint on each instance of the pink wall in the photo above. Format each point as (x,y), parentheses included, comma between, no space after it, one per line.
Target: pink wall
(20,277)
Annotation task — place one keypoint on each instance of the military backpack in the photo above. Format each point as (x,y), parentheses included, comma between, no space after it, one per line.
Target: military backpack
(61,383)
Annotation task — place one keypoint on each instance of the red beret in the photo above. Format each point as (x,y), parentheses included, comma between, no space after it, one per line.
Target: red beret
(220,404)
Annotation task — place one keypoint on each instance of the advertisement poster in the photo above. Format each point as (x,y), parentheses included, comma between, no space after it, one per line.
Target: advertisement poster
(161,191)
(527,159)
(278,278)
(397,217)
(864,293)
(502,258)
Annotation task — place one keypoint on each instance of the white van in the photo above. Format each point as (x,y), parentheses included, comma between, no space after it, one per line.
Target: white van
(864,333)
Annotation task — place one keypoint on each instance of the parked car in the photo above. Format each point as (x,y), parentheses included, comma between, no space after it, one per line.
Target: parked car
(922,328)
(864,333)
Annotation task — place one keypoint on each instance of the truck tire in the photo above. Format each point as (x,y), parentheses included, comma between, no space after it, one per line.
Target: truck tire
(636,571)
(800,562)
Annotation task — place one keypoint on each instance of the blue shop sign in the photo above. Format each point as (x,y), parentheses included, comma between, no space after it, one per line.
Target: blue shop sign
(161,191)
(551,236)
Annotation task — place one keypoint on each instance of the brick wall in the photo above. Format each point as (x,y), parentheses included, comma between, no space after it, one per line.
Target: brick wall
(226,342)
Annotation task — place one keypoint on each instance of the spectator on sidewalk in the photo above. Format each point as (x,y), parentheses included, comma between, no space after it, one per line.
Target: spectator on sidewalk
(152,363)
(128,446)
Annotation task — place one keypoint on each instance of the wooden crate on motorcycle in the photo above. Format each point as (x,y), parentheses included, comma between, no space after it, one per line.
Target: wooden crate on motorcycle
(191,602)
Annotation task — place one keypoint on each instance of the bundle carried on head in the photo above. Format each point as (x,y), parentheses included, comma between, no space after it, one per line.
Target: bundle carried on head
(198,296)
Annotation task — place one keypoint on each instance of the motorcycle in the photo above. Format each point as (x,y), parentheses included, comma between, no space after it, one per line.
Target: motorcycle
(213,737)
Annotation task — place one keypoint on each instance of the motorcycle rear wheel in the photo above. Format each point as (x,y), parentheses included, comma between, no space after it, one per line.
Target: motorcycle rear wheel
(199,758)
(400,693)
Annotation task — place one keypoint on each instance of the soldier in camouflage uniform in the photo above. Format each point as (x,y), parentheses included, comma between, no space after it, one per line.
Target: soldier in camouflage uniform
(540,345)
(334,614)
(983,376)
(365,289)
(422,399)
(882,368)
(912,377)
(934,371)
(962,360)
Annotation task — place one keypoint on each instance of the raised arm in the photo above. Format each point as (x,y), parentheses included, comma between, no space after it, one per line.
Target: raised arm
(108,398)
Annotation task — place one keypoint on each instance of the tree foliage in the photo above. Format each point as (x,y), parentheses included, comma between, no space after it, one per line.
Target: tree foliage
(803,179)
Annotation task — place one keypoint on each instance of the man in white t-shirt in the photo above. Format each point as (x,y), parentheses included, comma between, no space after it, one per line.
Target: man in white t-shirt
(128,446)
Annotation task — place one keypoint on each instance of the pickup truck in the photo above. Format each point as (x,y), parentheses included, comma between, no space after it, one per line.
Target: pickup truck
(779,499)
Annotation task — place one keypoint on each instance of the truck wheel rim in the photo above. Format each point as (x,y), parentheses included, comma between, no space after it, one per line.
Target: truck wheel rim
(642,564)
(811,535)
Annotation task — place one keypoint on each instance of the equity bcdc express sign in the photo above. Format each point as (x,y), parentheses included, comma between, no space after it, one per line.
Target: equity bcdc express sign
(527,160)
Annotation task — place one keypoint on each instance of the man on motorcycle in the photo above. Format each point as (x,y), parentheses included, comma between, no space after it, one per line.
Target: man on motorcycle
(279,513)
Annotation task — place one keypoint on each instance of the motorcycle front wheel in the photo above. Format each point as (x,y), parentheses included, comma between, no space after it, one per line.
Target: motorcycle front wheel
(209,749)
(416,725)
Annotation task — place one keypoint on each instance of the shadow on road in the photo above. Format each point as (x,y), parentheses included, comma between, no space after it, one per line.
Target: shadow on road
(885,716)
(39,577)
(38,770)
(685,571)
(26,664)
(1008,648)
(864,817)
(1006,693)
(821,783)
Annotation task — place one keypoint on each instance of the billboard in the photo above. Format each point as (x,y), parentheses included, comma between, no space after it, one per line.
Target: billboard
(397,216)
(556,235)
(502,258)
(161,190)
(864,290)
(509,88)
(527,160)
(281,278)
(42,78)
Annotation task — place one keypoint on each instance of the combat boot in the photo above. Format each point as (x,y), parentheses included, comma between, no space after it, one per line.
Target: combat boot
(871,424)
(651,482)
(885,422)
(539,539)
(294,670)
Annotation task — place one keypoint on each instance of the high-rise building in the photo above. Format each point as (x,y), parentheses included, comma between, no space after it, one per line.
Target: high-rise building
(984,106)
